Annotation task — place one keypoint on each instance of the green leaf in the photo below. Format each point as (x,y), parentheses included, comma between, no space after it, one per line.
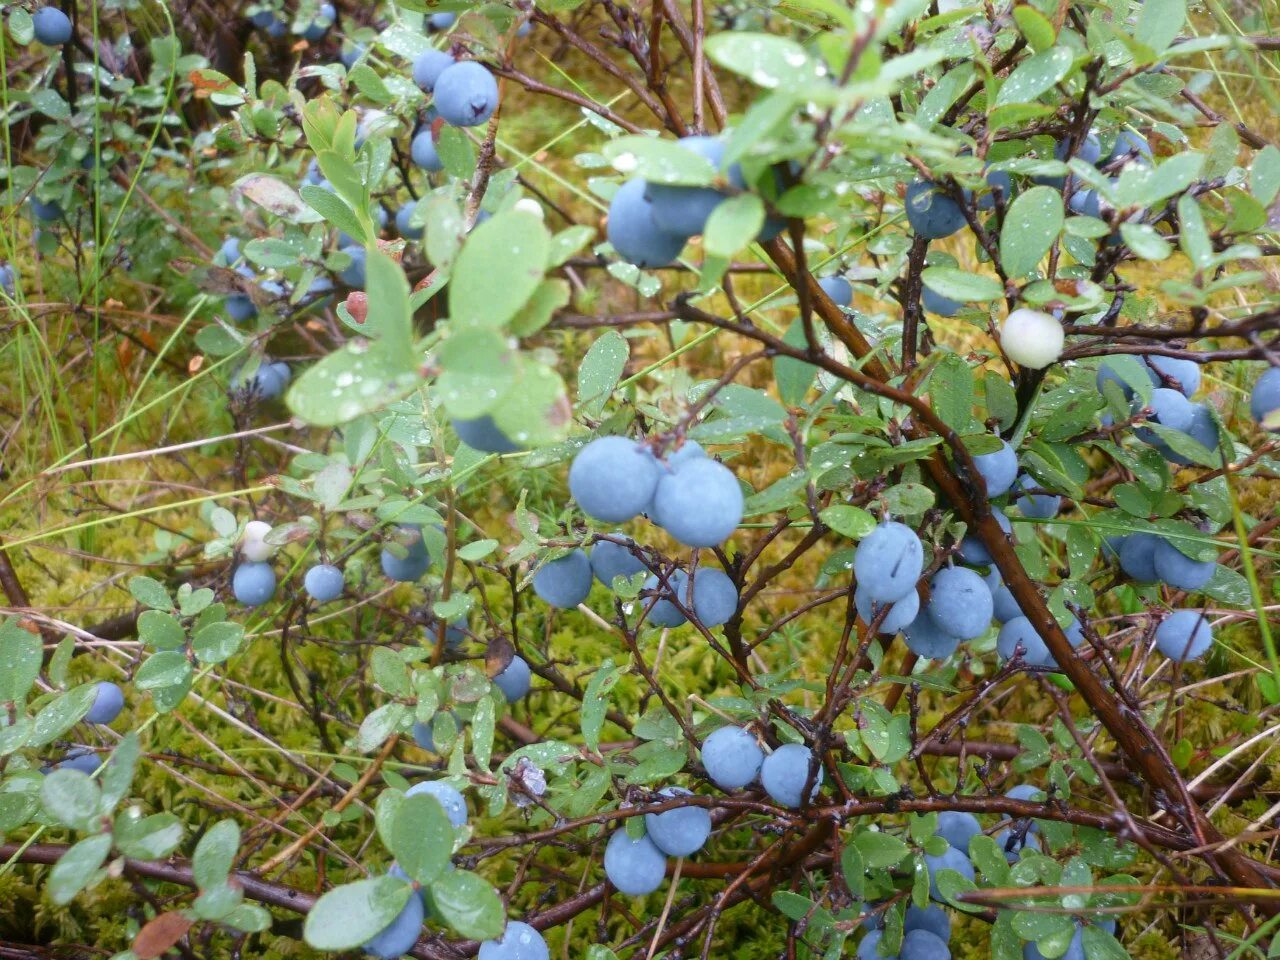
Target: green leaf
(389,320)
(21,26)
(276,197)
(659,161)
(1193,236)
(793,377)
(963,285)
(379,725)
(600,371)
(20,659)
(62,713)
(70,797)
(1031,226)
(1035,75)
(1145,241)
(733,224)
(469,905)
(456,152)
(347,916)
(249,918)
(551,294)
(166,669)
(360,378)
(389,671)
(76,868)
(161,630)
(150,593)
(535,411)
(512,245)
(478,369)
(1264,174)
(334,209)
(422,837)
(768,61)
(117,777)
(148,838)
(1159,23)
(217,641)
(880,850)
(852,522)
(216,854)
(595,702)
(1035,26)
(951,391)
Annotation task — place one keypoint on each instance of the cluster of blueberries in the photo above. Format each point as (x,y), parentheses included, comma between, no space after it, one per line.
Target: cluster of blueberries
(108,701)
(519,941)
(274,26)
(649,223)
(927,931)
(695,498)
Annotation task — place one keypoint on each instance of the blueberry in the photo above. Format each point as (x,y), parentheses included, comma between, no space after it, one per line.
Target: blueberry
(634,867)
(715,598)
(1185,372)
(441,21)
(398,937)
(684,211)
(353,274)
(613,479)
(838,289)
(1169,408)
(1003,606)
(664,613)
(466,94)
(515,680)
(1014,843)
(1026,791)
(263,19)
(1203,430)
(1090,151)
(633,232)
(46,212)
(108,701)
(960,603)
(931,213)
(1138,556)
(455,633)
(869,947)
(689,450)
(318,27)
(482,433)
(901,612)
(681,832)
(784,773)
(996,180)
(428,67)
(351,54)
(1107,372)
(998,469)
(52,26)
(1265,398)
(1184,635)
(952,859)
(253,583)
(413,564)
(958,828)
(698,502)
(931,918)
(923,945)
(610,560)
(323,582)
(403,225)
(1036,506)
(8,279)
(79,758)
(424,734)
(453,802)
(1087,203)
(925,639)
(564,583)
(422,150)
(1020,630)
(1132,147)
(935,302)
(732,758)
(973,550)
(888,562)
(519,942)
(240,308)
(1178,570)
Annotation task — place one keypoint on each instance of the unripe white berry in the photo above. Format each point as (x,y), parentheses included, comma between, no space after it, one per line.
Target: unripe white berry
(529,205)
(253,543)
(1031,338)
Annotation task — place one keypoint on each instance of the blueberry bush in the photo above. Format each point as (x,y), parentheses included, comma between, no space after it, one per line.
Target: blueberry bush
(635,480)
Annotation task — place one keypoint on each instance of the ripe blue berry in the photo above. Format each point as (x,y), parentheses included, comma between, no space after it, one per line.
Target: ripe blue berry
(925,639)
(931,918)
(52,26)
(1013,843)
(428,67)
(900,615)
(1184,635)
(634,233)
(519,942)
(935,302)
(715,598)
(613,479)
(1169,408)
(680,832)
(684,210)
(838,289)
(610,560)
(699,502)
(441,21)
(1036,506)
(466,94)
(784,772)
(952,859)
(1138,556)
(973,550)
(998,469)
(79,758)
(923,945)
(515,680)
(482,433)
(1003,606)
(422,150)
(323,582)
(888,562)
(931,213)
(1036,653)
(634,867)
(960,603)
(958,827)
(1265,398)
(398,937)
(731,757)
(663,612)
(453,802)
(564,583)
(253,583)
(1175,568)
(108,701)
(413,564)
(1185,372)
(404,226)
